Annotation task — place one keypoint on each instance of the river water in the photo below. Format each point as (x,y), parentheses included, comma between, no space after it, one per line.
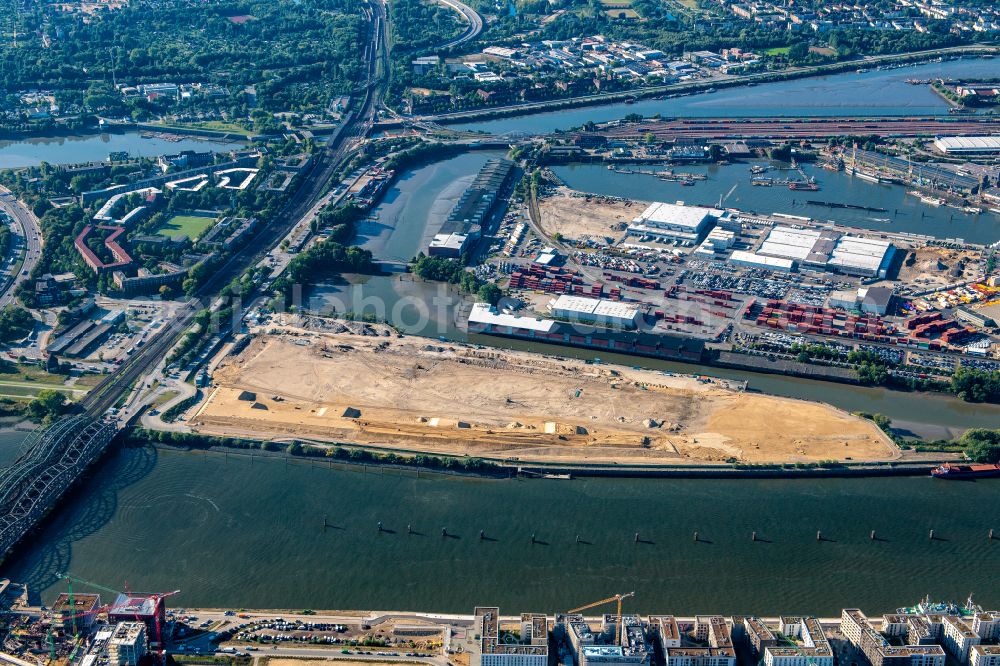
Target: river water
(904,213)
(231,533)
(876,93)
(96,147)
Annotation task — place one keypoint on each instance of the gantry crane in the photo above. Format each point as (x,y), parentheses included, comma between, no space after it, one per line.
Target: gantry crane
(618,615)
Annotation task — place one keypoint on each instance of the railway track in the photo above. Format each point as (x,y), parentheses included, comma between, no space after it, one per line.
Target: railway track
(57,455)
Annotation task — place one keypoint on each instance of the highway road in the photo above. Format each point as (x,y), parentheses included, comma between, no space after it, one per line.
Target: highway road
(473,18)
(31,234)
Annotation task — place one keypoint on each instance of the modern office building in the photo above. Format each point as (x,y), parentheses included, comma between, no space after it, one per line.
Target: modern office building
(958,637)
(591,648)
(984,655)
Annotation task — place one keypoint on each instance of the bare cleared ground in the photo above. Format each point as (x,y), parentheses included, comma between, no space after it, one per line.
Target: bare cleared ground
(578,216)
(409,393)
(933,265)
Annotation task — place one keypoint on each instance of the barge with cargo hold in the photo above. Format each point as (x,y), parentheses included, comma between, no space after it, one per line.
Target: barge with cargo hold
(950,471)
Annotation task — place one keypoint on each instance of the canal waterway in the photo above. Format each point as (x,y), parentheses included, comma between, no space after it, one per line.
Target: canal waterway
(875,93)
(96,147)
(417,204)
(233,533)
(904,213)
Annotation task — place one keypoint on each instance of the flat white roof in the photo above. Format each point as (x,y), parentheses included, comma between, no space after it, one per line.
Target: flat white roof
(858,252)
(789,236)
(673,215)
(760,260)
(960,143)
(616,309)
(784,250)
(484,313)
(598,307)
(454,241)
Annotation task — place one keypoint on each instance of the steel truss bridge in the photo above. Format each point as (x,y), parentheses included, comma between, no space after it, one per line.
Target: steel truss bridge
(53,458)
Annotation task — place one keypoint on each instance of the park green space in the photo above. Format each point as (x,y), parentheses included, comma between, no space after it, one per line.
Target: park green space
(192,226)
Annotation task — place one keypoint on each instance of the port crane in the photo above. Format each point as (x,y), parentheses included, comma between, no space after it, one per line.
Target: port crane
(618,615)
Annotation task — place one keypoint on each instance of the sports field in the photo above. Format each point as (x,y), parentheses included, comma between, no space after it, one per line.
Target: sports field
(192,226)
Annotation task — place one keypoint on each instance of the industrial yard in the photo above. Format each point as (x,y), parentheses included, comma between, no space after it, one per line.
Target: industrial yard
(400,393)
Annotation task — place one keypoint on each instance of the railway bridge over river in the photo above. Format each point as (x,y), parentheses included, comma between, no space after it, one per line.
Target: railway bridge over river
(53,458)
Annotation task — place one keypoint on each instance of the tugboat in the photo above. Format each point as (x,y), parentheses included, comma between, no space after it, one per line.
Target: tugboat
(949,471)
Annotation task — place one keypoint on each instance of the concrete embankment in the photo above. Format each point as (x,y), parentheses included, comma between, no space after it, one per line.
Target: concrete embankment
(405,459)
(781,366)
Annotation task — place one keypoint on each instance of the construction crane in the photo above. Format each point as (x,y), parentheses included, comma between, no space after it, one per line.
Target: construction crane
(72,598)
(156,598)
(618,615)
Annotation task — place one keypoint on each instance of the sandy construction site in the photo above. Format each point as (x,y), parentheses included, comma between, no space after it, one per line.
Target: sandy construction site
(421,395)
(577,215)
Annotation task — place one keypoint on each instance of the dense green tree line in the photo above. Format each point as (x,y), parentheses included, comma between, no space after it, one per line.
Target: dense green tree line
(299,53)
(420,23)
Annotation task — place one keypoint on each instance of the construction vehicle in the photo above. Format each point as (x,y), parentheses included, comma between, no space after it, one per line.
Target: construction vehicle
(618,615)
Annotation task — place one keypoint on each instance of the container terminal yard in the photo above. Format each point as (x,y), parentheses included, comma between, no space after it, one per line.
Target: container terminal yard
(108,627)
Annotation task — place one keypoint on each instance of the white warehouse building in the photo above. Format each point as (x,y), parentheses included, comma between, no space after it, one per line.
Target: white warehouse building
(674,222)
(826,249)
(600,312)
(753,260)
(968,145)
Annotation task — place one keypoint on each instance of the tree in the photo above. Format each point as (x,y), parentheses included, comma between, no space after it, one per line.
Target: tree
(490,293)
(15,323)
(973,385)
(981,445)
(47,405)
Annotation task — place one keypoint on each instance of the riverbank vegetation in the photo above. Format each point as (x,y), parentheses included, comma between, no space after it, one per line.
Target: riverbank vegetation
(873,369)
(322,260)
(465,464)
(977,444)
(441,269)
